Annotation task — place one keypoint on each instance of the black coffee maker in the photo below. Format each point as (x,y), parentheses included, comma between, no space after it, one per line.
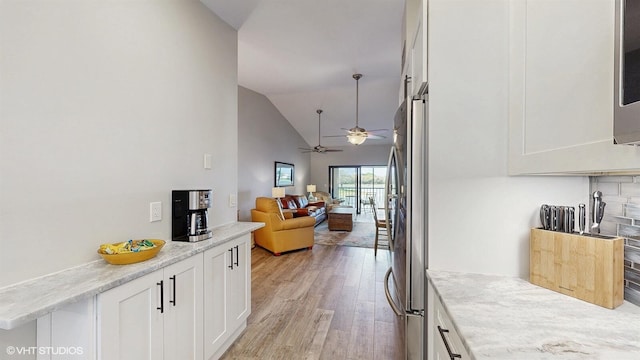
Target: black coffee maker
(190,217)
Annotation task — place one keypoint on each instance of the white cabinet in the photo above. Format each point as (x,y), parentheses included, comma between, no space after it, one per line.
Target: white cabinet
(443,342)
(419,49)
(155,316)
(227,294)
(561,89)
(70,330)
(183,317)
(193,309)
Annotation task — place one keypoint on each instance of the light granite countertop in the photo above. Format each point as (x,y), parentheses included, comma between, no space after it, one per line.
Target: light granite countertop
(500,317)
(28,300)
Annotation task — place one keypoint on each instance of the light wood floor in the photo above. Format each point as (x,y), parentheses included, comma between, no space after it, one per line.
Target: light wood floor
(327,303)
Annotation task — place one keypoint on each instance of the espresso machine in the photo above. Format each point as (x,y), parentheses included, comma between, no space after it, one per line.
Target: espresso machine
(190,217)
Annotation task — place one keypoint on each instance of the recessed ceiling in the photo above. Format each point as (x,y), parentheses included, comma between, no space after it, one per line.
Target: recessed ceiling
(301,54)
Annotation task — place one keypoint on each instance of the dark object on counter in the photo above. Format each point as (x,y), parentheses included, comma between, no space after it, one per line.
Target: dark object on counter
(189,215)
(558,218)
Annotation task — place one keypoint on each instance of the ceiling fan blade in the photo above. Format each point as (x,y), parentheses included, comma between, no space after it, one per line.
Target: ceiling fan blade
(333,150)
(334,135)
(372,136)
(378,130)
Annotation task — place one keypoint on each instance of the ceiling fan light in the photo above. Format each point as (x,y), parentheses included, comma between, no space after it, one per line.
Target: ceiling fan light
(356,138)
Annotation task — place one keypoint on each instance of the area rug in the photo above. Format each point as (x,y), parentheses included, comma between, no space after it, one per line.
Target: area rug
(362,235)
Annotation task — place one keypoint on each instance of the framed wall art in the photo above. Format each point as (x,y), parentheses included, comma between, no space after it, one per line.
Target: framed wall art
(284,174)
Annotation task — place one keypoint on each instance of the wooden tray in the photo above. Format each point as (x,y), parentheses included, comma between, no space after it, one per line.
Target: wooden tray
(590,268)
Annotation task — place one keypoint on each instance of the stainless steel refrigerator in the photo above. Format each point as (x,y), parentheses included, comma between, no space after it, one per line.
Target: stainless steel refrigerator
(406,206)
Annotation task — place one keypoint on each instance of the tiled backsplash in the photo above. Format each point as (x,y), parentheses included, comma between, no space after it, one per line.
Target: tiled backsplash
(622,218)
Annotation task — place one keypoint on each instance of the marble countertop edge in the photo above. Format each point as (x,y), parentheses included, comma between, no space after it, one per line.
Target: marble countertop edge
(451,318)
(502,317)
(28,300)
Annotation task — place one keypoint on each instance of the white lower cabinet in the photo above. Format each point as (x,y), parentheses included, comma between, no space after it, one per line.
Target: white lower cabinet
(443,342)
(157,316)
(227,294)
(191,310)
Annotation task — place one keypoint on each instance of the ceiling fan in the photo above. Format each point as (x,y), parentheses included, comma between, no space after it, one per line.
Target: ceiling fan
(319,148)
(357,135)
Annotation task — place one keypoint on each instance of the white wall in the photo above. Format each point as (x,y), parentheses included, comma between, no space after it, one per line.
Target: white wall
(105,107)
(265,137)
(479,218)
(352,155)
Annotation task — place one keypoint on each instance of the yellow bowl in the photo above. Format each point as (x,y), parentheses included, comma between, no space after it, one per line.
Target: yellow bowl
(134,257)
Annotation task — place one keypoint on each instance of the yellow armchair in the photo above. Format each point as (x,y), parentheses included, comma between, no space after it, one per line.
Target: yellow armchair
(280,235)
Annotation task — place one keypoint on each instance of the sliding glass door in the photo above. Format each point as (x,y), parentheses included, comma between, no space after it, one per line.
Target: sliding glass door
(358,185)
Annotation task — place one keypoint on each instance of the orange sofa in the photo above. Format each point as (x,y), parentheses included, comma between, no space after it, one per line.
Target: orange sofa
(281,235)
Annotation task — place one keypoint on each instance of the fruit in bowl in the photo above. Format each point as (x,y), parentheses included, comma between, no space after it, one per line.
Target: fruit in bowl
(131,251)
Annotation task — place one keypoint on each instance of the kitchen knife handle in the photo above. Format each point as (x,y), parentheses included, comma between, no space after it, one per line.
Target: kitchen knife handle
(544,216)
(601,211)
(582,218)
(596,209)
(571,224)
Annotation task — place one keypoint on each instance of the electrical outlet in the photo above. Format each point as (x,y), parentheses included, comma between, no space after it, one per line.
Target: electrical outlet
(155,211)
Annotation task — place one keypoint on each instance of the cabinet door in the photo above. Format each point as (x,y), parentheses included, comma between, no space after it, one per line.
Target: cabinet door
(216,329)
(130,320)
(447,342)
(183,317)
(561,89)
(419,50)
(239,283)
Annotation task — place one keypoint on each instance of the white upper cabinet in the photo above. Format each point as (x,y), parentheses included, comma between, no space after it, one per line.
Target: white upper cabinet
(416,49)
(561,89)
(419,50)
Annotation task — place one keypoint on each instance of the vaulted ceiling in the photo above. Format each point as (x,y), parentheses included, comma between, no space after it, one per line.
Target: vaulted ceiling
(301,54)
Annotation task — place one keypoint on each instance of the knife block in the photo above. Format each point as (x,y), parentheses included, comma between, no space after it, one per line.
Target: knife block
(587,267)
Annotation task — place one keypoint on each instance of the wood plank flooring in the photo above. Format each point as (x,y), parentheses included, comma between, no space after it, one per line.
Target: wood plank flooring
(327,303)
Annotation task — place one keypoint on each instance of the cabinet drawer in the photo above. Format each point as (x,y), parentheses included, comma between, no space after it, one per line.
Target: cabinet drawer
(447,342)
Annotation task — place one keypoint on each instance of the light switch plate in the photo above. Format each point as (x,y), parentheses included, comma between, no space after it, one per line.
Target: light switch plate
(207,161)
(155,211)
(232,200)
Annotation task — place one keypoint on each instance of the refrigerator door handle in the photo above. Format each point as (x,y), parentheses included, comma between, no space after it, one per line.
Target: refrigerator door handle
(389,195)
(393,305)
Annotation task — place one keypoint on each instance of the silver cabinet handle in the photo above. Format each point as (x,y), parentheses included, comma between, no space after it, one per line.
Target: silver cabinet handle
(393,305)
(452,355)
